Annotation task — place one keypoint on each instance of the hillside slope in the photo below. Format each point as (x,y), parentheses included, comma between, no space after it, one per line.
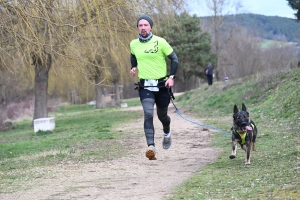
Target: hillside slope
(276,96)
(267,27)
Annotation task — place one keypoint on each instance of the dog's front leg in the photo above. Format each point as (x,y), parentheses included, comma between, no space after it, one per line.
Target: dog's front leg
(248,151)
(253,146)
(234,148)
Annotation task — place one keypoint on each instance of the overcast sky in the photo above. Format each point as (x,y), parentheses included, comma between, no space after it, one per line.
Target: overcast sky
(263,7)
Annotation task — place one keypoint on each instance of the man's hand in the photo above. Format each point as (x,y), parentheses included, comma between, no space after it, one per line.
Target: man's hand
(169,83)
(133,71)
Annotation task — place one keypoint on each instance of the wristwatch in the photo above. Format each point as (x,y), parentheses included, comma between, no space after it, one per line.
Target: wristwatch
(172,77)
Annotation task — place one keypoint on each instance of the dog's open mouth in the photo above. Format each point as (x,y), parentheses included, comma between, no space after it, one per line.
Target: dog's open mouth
(242,129)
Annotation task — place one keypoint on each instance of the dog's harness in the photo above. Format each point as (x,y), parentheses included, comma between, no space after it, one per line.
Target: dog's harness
(244,134)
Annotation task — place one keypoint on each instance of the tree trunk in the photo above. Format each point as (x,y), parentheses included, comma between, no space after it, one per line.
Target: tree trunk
(118,99)
(72,96)
(42,68)
(98,93)
(185,79)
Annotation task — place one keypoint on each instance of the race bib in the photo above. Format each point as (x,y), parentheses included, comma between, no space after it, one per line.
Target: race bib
(152,84)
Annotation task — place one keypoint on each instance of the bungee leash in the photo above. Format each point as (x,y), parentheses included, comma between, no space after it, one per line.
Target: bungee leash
(139,85)
(203,125)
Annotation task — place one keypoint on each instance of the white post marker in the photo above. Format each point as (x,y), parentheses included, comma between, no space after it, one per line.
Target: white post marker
(44,124)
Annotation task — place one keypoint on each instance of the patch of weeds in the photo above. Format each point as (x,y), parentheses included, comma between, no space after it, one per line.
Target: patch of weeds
(273,172)
(42,133)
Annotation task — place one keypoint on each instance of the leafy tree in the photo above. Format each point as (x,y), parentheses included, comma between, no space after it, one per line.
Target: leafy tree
(74,34)
(191,46)
(41,32)
(295,5)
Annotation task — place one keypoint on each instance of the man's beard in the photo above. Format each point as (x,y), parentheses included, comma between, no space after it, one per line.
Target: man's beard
(145,36)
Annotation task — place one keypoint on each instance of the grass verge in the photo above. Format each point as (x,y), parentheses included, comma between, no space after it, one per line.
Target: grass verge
(82,135)
(274,106)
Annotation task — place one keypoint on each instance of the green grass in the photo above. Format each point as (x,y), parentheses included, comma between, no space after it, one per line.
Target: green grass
(132,102)
(274,171)
(274,104)
(85,135)
(81,134)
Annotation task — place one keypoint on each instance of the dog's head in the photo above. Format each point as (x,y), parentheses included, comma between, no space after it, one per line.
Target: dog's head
(241,118)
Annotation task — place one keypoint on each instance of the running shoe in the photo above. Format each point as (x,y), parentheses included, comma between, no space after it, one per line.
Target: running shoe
(167,141)
(150,153)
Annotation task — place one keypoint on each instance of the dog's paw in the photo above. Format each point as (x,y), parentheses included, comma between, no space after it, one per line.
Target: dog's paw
(232,156)
(247,164)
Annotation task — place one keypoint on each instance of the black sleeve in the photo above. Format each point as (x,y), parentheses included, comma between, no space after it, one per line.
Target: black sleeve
(133,61)
(174,63)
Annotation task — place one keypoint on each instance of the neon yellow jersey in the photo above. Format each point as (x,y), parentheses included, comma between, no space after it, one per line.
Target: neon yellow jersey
(151,57)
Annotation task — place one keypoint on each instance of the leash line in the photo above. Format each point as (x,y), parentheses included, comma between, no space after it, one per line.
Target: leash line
(193,122)
(138,86)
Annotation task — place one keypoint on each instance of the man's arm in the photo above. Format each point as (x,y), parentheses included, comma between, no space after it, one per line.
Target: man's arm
(174,63)
(133,61)
(133,65)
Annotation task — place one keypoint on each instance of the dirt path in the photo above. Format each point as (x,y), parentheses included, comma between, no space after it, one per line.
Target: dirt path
(133,177)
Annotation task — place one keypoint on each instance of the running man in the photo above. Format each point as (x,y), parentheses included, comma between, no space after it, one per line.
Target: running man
(148,59)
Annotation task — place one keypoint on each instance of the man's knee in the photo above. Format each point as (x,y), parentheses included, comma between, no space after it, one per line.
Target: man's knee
(162,115)
(148,106)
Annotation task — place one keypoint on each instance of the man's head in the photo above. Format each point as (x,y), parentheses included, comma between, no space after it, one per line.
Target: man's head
(144,24)
(147,18)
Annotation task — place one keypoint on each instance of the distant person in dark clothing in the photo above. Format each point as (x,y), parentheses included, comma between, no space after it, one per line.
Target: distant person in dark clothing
(209,74)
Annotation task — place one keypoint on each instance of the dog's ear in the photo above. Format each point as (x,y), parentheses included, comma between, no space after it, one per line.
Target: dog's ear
(247,113)
(244,107)
(235,109)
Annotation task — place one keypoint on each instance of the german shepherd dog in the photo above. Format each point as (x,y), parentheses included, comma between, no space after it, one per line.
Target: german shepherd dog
(244,132)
